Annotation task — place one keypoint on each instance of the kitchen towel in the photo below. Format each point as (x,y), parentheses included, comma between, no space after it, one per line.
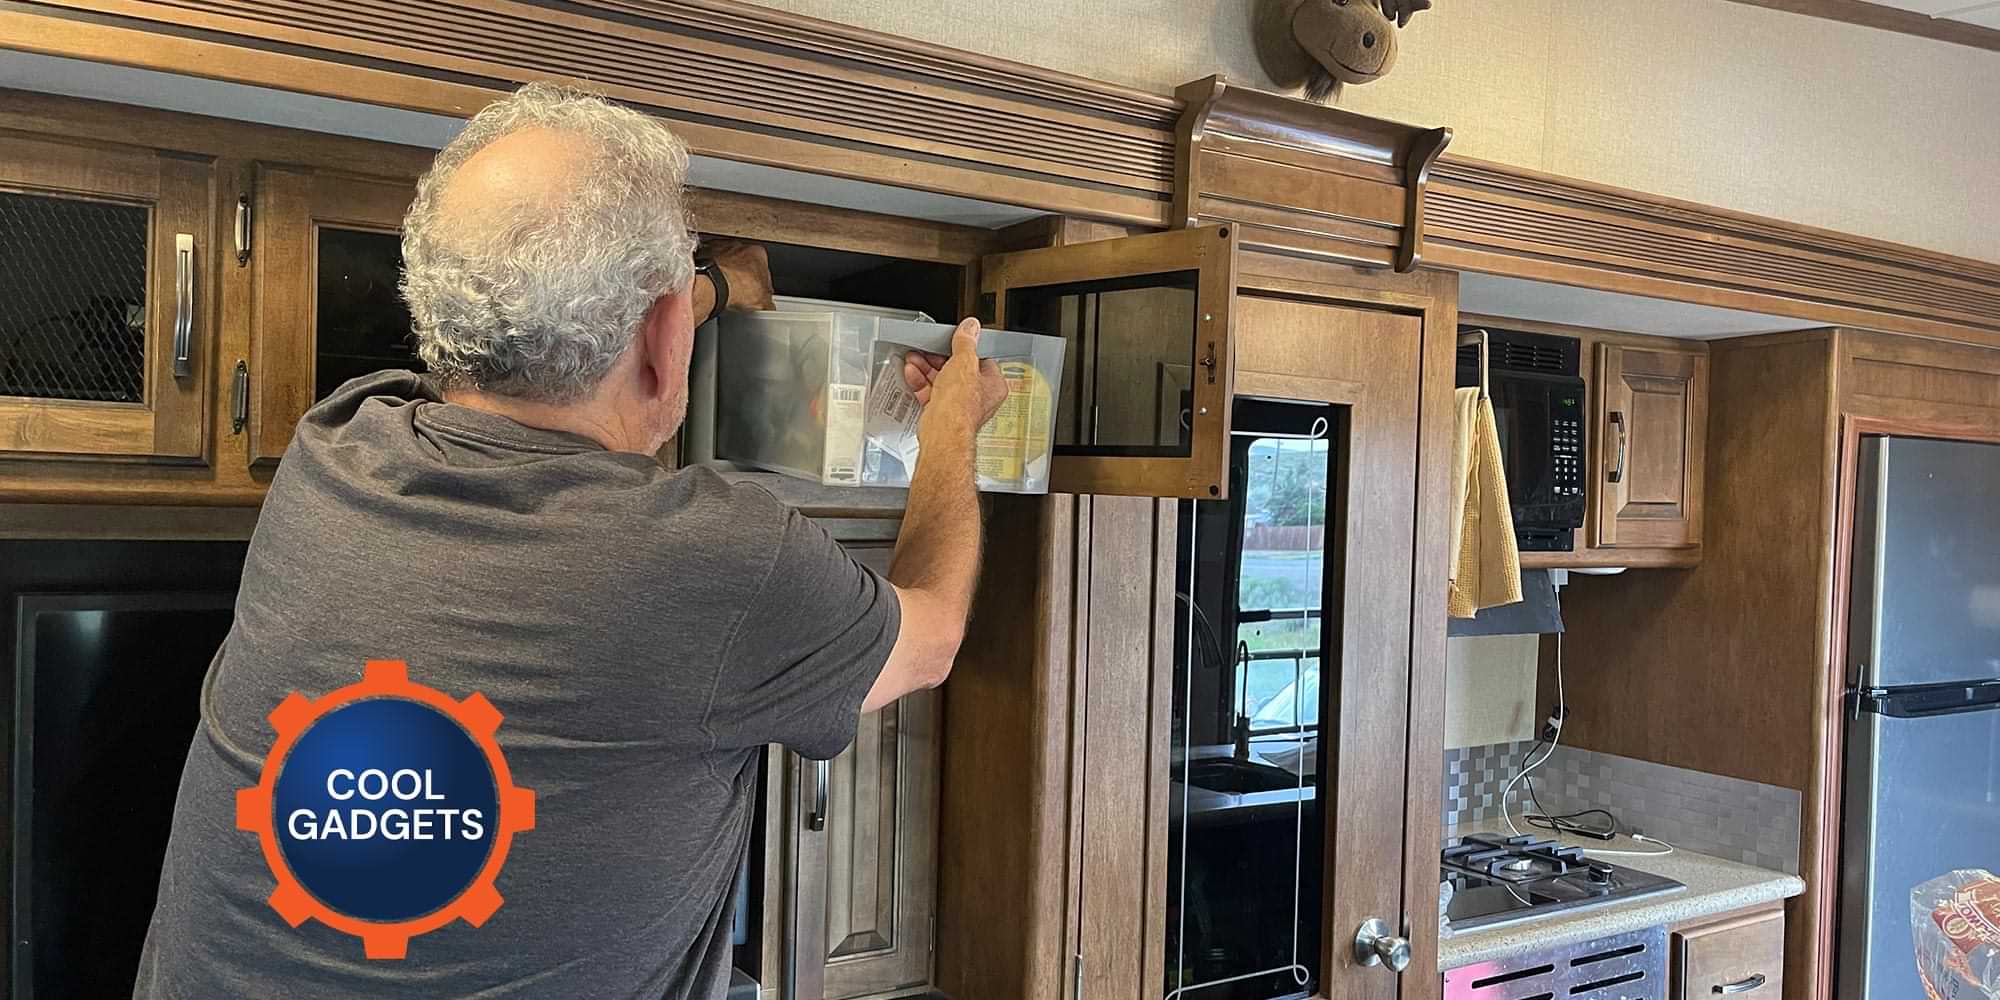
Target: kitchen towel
(1485,562)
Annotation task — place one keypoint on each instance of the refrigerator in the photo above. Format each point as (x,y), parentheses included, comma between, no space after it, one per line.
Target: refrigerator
(1922,792)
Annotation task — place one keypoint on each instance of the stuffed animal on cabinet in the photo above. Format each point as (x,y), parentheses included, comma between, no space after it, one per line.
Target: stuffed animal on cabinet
(1323,44)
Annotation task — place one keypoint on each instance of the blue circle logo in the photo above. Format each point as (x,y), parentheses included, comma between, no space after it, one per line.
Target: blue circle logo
(385,809)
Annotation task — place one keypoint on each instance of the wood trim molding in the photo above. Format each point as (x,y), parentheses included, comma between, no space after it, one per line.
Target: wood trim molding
(762,86)
(1303,179)
(1491,217)
(1875,15)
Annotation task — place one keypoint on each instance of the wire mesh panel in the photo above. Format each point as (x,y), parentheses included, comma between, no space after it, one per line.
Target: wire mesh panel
(72,298)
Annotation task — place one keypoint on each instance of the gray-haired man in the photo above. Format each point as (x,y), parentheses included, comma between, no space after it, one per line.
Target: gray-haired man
(503,527)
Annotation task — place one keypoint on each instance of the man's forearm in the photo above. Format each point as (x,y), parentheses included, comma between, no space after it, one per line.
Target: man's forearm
(938,548)
(704,299)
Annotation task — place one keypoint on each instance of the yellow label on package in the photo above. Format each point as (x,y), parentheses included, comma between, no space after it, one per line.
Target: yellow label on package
(1018,434)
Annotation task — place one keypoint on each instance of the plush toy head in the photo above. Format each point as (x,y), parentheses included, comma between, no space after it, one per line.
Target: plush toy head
(1322,44)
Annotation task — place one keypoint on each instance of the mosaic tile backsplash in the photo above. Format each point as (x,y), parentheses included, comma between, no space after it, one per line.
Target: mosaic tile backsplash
(1729,818)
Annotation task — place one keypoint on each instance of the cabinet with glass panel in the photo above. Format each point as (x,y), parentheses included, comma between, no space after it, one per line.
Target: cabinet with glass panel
(106,311)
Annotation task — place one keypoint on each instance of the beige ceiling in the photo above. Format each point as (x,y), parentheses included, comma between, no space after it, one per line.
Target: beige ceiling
(1984,13)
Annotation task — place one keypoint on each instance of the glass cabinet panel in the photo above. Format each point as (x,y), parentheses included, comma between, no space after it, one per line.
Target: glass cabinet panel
(360,321)
(72,298)
(1246,828)
(1148,367)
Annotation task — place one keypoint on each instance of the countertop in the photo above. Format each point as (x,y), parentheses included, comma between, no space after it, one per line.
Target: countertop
(1713,886)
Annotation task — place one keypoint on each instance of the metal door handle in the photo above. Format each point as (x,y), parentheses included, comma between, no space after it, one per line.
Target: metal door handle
(239,402)
(242,229)
(183,304)
(1617,473)
(1374,943)
(1742,985)
(816,819)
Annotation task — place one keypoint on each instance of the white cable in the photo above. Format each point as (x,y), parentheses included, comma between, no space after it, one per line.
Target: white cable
(1641,838)
(1527,768)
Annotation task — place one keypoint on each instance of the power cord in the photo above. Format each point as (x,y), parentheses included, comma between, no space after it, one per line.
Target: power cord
(1551,735)
(1641,838)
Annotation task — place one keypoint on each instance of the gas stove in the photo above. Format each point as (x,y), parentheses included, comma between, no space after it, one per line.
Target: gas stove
(1497,880)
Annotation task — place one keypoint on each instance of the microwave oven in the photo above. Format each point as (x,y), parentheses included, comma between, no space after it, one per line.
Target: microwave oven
(1537,390)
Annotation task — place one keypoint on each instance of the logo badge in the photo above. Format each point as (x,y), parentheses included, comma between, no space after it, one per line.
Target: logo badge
(385,809)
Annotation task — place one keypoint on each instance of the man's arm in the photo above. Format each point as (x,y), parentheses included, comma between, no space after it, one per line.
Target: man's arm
(745,268)
(936,566)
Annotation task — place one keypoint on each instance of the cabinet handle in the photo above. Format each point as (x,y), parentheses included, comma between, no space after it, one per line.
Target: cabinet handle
(816,820)
(1617,473)
(239,400)
(1741,985)
(242,229)
(183,304)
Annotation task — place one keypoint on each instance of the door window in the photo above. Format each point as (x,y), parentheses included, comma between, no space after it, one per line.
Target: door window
(1246,828)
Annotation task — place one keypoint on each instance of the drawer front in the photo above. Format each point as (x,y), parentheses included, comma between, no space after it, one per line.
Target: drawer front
(1735,958)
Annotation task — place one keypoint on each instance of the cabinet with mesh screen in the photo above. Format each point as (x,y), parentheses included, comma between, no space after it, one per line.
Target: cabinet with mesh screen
(106,303)
(327,257)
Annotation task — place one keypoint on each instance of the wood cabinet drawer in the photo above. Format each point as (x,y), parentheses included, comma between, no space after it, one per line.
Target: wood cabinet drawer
(1740,957)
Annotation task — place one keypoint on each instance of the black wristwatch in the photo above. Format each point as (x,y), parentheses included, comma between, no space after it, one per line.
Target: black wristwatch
(703,265)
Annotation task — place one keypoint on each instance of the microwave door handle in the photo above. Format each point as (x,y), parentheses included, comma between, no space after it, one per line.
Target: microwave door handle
(1617,473)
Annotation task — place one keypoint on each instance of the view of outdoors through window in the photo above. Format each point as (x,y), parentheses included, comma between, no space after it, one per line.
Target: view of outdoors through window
(1284,549)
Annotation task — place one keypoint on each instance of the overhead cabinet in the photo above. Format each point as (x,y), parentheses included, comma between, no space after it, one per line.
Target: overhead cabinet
(106,311)
(1149,363)
(1652,436)
(327,254)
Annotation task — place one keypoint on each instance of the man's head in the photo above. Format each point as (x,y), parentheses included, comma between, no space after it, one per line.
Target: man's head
(548,259)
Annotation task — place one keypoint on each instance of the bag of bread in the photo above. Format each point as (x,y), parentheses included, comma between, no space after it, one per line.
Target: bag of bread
(1955,919)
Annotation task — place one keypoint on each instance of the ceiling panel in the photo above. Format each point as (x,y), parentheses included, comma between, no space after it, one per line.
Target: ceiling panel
(1985,17)
(1519,298)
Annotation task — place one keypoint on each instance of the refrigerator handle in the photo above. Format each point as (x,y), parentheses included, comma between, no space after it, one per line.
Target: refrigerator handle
(1925,701)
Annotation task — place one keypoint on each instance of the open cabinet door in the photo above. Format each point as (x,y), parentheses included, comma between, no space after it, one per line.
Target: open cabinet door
(1149,366)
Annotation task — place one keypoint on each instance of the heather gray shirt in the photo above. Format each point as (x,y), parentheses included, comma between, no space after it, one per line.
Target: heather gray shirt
(644,633)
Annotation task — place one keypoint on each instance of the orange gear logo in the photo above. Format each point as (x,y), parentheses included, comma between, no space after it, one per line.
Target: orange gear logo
(294,718)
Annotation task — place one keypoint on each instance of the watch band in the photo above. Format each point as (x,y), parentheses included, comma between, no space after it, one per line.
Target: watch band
(718,282)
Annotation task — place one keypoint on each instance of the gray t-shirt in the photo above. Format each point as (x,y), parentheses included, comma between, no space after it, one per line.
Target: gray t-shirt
(644,633)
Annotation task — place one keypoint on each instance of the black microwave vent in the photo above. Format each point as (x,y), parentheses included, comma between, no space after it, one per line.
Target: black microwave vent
(1512,350)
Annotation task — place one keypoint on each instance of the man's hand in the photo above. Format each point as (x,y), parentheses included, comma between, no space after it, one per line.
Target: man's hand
(966,389)
(747,269)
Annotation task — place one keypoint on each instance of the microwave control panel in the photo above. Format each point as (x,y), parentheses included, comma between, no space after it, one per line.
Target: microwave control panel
(1566,444)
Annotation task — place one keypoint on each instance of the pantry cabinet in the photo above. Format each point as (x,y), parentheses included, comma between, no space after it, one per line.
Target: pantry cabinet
(106,300)
(326,255)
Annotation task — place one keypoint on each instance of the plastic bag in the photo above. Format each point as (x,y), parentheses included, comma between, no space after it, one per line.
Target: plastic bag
(1955,919)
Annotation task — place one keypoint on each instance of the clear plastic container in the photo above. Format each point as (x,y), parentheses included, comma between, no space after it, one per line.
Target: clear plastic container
(814,389)
(1955,919)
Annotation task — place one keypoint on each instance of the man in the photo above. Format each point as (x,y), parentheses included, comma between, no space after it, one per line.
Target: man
(503,527)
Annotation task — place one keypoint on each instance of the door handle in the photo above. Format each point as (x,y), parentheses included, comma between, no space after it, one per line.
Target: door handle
(1741,985)
(239,402)
(1375,944)
(242,230)
(822,772)
(1617,473)
(183,304)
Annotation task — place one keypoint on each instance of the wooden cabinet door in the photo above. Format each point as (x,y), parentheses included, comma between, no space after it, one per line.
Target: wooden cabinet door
(1652,428)
(327,255)
(864,829)
(106,301)
(1744,957)
(1144,408)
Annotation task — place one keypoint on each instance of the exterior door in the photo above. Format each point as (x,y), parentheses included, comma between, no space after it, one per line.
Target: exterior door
(1147,372)
(1652,422)
(864,842)
(328,255)
(106,311)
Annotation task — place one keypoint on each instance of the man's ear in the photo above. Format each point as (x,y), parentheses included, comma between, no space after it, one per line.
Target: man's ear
(664,338)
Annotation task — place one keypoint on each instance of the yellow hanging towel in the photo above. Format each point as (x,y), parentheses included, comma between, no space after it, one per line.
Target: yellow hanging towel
(1485,561)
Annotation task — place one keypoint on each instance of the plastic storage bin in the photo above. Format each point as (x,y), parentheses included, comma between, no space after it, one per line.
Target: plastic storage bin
(815,389)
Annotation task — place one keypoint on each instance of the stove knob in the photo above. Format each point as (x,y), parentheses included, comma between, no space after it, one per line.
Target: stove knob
(1600,873)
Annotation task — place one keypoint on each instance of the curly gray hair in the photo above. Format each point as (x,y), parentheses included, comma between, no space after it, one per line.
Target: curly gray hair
(538,301)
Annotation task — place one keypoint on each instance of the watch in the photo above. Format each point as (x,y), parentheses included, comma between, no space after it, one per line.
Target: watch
(713,271)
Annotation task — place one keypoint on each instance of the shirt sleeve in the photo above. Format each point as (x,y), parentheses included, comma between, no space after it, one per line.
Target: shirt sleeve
(811,644)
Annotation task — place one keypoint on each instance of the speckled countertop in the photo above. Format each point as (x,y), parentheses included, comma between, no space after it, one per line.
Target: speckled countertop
(1713,886)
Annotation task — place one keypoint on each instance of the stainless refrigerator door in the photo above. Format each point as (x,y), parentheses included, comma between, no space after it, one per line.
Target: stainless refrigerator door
(1926,572)
(1923,799)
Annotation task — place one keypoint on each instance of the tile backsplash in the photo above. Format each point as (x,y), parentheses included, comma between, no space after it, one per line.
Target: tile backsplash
(1729,818)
